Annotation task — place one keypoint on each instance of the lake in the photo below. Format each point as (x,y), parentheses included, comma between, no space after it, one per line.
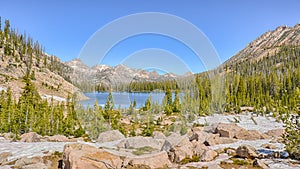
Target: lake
(122,99)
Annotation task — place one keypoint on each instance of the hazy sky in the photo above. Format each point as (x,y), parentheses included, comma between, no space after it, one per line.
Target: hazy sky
(63,27)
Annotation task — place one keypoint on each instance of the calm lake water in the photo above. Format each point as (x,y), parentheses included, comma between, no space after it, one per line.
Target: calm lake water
(122,98)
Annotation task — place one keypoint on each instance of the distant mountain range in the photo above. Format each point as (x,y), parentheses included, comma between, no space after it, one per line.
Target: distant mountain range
(107,76)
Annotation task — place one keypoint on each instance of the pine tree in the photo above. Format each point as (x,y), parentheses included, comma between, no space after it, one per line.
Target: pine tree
(6,29)
(147,104)
(168,99)
(108,108)
(28,103)
(176,103)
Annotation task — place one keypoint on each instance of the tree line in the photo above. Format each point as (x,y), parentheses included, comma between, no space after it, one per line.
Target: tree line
(31,113)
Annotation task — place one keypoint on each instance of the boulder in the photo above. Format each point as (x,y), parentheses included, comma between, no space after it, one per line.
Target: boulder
(211,128)
(246,151)
(174,138)
(194,136)
(260,164)
(202,135)
(110,136)
(139,141)
(35,166)
(158,135)
(85,156)
(232,130)
(214,139)
(182,150)
(58,138)
(4,156)
(268,146)
(229,130)
(248,135)
(157,160)
(211,139)
(197,129)
(30,137)
(230,152)
(178,149)
(25,161)
(199,148)
(225,140)
(209,155)
(275,133)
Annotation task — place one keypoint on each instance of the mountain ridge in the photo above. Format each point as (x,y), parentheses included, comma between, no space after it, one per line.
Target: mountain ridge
(267,44)
(108,76)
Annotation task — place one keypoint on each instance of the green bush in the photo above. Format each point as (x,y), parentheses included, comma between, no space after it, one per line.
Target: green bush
(292,135)
(194,158)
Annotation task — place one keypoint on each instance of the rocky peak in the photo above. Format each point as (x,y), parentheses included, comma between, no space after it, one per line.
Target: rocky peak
(154,74)
(101,68)
(121,67)
(77,63)
(170,75)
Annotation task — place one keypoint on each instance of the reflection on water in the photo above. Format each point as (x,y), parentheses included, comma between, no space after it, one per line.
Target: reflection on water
(122,99)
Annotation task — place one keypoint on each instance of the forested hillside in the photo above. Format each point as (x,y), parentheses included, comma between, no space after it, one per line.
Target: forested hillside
(270,84)
(28,80)
(20,55)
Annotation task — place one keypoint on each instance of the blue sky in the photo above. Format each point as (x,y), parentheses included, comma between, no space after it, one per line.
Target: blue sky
(63,27)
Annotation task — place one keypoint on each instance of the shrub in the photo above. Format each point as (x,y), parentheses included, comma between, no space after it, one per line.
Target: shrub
(143,150)
(194,158)
(292,134)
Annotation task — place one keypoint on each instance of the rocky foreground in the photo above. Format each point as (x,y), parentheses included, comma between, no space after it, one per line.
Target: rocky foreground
(240,141)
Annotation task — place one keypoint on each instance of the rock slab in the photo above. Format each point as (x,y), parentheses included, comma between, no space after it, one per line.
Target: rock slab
(85,156)
(110,136)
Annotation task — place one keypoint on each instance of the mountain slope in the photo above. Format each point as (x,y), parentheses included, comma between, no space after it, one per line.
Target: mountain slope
(20,56)
(268,44)
(266,73)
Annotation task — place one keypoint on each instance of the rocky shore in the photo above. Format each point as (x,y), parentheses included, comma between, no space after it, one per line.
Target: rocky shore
(217,144)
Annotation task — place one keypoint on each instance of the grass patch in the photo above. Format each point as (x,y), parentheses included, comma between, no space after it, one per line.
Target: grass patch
(239,161)
(57,153)
(143,150)
(186,160)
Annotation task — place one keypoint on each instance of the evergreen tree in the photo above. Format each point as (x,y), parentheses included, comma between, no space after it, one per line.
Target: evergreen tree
(147,104)
(176,103)
(168,98)
(28,104)
(6,29)
(108,108)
